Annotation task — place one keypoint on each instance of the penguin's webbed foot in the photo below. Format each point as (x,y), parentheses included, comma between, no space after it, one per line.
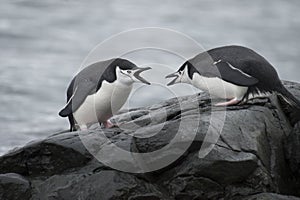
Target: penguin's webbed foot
(234,101)
(108,124)
(82,127)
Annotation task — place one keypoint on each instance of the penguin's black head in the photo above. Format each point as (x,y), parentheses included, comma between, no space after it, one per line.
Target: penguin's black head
(183,66)
(128,72)
(181,75)
(124,64)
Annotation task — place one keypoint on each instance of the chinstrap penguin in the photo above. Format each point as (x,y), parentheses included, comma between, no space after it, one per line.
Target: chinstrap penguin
(235,73)
(100,90)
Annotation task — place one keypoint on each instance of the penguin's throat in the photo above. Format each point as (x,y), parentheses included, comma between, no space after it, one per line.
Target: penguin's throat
(124,82)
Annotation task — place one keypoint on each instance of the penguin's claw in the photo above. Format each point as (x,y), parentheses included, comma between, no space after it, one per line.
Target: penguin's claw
(229,103)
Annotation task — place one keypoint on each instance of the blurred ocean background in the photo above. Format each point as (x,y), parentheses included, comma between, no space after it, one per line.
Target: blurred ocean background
(43,44)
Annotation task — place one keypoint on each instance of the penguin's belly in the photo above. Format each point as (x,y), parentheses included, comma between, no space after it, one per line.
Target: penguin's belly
(100,106)
(218,87)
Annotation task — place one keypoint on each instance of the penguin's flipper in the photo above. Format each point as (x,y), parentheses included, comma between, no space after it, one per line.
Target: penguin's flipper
(83,89)
(234,75)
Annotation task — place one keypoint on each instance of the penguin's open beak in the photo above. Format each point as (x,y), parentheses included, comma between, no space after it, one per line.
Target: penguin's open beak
(137,75)
(171,76)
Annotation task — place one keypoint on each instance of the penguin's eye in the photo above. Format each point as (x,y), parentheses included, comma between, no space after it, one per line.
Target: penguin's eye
(180,72)
(128,71)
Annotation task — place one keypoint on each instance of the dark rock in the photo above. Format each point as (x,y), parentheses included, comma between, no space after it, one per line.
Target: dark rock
(44,158)
(292,146)
(292,153)
(270,196)
(175,151)
(14,187)
(105,184)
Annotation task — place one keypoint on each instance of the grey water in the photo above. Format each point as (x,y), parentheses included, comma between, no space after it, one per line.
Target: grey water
(43,44)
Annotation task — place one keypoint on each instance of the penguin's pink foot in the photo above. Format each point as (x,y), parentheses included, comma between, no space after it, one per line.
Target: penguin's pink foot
(228,103)
(108,124)
(83,127)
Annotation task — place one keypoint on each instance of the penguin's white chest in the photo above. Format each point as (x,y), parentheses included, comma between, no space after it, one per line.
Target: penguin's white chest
(218,87)
(100,106)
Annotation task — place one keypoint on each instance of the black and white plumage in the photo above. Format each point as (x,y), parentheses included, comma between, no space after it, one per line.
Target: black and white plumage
(99,90)
(236,73)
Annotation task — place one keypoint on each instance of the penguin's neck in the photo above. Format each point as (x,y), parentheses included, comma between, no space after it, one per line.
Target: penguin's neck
(123,83)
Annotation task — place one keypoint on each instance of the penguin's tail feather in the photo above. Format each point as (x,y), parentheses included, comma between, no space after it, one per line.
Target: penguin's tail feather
(290,105)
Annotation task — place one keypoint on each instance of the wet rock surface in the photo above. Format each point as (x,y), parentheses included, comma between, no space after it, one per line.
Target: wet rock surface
(255,155)
(14,186)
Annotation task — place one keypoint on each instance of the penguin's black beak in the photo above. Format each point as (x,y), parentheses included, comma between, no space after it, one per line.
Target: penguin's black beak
(137,74)
(171,76)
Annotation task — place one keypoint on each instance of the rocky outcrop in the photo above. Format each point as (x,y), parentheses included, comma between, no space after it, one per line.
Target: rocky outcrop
(292,150)
(14,186)
(256,156)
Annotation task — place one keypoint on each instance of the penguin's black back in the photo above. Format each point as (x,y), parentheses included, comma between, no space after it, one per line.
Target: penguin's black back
(250,63)
(258,67)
